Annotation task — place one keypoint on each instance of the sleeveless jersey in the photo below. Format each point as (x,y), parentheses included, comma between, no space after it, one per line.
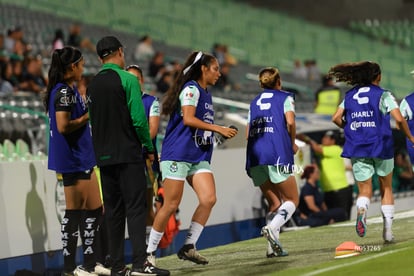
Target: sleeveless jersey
(186,144)
(269,142)
(367,130)
(410,146)
(71,152)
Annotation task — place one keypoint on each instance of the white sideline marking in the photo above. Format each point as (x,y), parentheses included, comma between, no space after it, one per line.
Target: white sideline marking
(378,219)
(354,262)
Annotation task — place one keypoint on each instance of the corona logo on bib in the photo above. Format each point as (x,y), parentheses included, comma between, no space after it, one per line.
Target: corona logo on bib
(355,125)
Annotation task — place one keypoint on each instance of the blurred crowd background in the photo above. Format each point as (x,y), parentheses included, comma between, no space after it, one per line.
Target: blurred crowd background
(302,38)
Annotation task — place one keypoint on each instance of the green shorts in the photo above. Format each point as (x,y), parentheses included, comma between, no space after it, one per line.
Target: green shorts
(180,170)
(260,174)
(364,168)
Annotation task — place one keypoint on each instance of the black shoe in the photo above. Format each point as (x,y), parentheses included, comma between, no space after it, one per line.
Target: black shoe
(149,269)
(108,261)
(188,252)
(124,272)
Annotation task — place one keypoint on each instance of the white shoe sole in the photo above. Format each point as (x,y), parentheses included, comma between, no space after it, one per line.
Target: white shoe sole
(274,243)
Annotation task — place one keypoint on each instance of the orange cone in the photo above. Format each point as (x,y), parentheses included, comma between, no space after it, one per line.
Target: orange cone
(347,249)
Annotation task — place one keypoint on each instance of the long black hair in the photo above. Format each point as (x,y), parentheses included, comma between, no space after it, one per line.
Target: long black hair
(356,73)
(191,71)
(61,61)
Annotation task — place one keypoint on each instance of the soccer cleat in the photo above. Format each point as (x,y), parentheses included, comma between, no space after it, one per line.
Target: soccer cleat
(188,252)
(274,255)
(149,269)
(151,258)
(81,271)
(100,269)
(361,222)
(271,254)
(124,272)
(274,243)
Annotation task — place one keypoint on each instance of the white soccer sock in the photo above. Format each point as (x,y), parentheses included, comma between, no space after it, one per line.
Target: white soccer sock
(147,233)
(193,233)
(388,215)
(362,202)
(284,213)
(270,216)
(154,240)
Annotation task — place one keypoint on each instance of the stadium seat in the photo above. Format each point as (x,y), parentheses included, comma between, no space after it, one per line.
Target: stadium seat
(22,150)
(2,157)
(9,150)
(400,84)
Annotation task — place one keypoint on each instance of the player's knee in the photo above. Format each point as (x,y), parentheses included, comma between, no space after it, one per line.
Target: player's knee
(208,201)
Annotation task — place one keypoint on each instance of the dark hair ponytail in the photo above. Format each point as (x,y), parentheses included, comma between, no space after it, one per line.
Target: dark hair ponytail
(191,71)
(61,60)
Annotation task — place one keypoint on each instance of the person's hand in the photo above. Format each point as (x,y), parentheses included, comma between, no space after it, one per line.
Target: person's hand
(303,138)
(85,117)
(228,132)
(151,157)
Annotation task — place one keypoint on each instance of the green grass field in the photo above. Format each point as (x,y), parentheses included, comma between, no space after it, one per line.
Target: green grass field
(311,252)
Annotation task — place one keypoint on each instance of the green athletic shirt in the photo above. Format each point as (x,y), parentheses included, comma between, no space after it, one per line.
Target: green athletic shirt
(117,117)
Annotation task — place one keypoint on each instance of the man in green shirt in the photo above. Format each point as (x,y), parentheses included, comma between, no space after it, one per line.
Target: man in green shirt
(119,132)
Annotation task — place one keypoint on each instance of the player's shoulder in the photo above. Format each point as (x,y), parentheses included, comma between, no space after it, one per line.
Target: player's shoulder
(64,89)
(190,91)
(191,87)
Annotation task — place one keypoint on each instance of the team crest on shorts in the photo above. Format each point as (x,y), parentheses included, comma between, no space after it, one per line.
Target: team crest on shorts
(174,167)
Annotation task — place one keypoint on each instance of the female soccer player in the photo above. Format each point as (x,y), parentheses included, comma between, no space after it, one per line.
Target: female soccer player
(71,156)
(187,149)
(270,149)
(364,115)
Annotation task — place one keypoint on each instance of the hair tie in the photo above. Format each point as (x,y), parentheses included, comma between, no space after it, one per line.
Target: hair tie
(197,58)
